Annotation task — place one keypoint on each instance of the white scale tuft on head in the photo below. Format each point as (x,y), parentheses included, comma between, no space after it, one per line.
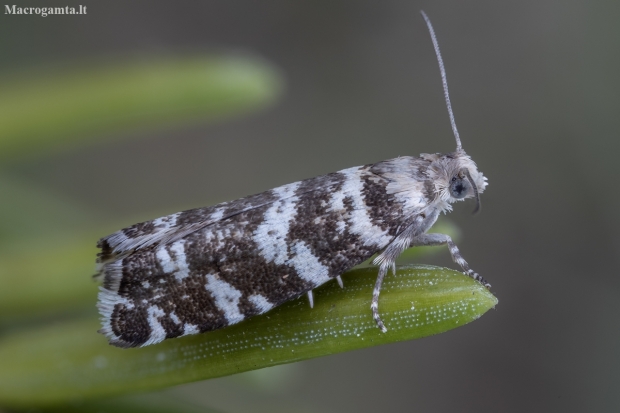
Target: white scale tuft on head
(444,168)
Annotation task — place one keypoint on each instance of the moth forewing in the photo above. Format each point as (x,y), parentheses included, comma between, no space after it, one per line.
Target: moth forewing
(207,268)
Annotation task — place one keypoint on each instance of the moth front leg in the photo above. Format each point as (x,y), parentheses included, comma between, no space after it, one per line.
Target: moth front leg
(430,240)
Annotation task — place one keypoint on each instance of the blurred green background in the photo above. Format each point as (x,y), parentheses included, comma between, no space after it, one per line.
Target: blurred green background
(535,89)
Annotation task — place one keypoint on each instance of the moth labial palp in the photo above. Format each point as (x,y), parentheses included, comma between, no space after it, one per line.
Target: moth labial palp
(207,268)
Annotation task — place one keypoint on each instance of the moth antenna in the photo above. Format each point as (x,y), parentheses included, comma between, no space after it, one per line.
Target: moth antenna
(444,80)
(476,194)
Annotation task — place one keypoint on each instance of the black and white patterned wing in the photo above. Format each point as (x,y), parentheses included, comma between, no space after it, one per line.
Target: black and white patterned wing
(204,269)
(173,227)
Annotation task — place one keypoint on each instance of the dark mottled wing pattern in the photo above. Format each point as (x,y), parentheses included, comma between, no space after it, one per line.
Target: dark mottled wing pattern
(173,227)
(241,258)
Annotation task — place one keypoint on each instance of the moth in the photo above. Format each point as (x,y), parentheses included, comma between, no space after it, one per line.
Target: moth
(207,268)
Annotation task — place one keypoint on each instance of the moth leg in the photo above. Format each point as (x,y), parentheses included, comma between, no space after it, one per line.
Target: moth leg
(311,299)
(387,260)
(374,305)
(340,283)
(431,240)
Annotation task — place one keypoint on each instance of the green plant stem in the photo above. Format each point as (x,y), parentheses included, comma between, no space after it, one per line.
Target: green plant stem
(67,361)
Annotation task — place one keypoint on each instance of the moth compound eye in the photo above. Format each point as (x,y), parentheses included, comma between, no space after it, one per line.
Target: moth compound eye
(458,188)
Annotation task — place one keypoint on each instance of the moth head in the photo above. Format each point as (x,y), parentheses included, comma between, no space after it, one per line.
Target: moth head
(455,177)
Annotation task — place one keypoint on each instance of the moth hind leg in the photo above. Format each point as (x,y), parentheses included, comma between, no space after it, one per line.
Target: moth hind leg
(311,296)
(431,240)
